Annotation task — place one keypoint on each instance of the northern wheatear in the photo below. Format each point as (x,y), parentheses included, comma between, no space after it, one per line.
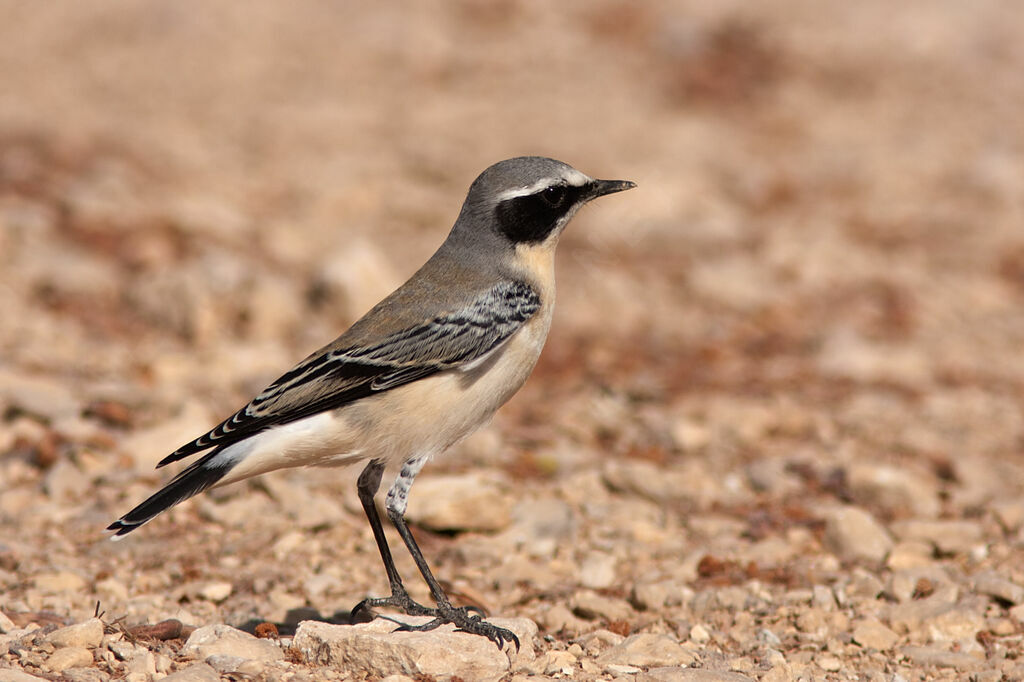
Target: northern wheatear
(422,370)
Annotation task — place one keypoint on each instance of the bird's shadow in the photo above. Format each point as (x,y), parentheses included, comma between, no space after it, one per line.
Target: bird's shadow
(295,616)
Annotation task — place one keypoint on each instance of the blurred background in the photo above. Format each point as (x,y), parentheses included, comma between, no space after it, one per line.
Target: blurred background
(813,298)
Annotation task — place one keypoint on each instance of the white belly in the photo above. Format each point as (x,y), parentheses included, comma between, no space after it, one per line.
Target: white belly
(425,417)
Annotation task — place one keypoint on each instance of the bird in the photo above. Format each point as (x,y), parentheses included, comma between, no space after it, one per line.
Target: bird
(423,369)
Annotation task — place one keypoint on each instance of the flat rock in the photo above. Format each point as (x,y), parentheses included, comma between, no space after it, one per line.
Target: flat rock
(68,657)
(200,672)
(852,533)
(690,675)
(12,675)
(646,650)
(894,489)
(591,605)
(949,537)
(375,649)
(940,658)
(221,639)
(87,634)
(994,585)
(468,502)
(872,634)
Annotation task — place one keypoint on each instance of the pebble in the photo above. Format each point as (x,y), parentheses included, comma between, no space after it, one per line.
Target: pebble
(216,591)
(6,624)
(212,640)
(647,650)
(68,657)
(894,490)
(466,502)
(63,581)
(648,596)
(374,649)
(1010,514)
(910,554)
(200,672)
(699,634)
(591,605)
(957,623)
(12,675)
(852,533)
(559,618)
(994,585)
(88,634)
(949,537)
(870,633)
(558,662)
(691,675)
(598,571)
(940,658)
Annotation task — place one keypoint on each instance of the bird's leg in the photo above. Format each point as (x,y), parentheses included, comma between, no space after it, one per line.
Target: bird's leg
(367,485)
(463,617)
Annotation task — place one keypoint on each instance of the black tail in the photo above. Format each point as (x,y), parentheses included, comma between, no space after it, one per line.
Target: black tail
(191,481)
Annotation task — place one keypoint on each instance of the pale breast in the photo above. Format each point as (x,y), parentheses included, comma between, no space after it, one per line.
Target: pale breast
(432,414)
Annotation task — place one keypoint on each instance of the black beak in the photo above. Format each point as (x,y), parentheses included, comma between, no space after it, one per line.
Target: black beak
(598,188)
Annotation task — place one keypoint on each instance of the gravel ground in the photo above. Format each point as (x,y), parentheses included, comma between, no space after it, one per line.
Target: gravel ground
(777,431)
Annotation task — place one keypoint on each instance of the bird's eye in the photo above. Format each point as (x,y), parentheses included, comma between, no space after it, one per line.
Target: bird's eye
(553,196)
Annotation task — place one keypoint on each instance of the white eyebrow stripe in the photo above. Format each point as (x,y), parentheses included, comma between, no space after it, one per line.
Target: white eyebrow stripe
(572,177)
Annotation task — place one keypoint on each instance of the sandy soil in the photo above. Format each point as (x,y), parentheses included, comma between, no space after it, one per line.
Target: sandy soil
(779,417)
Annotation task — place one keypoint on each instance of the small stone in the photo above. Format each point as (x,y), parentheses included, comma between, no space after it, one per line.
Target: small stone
(940,658)
(864,585)
(652,596)
(599,641)
(88,634)
(467,502)
(699,634)
(621,669)
(894,489)
(870,633)
(375,649)
(6,624)
(994,585)
(225,663)
(852,533)
(949,537)
(68,657)
(12,675)
(647,649)
(691,675)
(559,618)
(556,662)
(598,571)
(216,591)
(1010,514)
(823,598)
(591,605)
(958,623)
(63,581)
(200,672)
(1001,627)
(830,663)
(910,554)
(211,640)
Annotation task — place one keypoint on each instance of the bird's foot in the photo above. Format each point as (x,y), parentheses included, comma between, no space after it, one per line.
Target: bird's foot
(399,599)
(465,619)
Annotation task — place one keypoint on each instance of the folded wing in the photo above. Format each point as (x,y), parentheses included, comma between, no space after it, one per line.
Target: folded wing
(333,377)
